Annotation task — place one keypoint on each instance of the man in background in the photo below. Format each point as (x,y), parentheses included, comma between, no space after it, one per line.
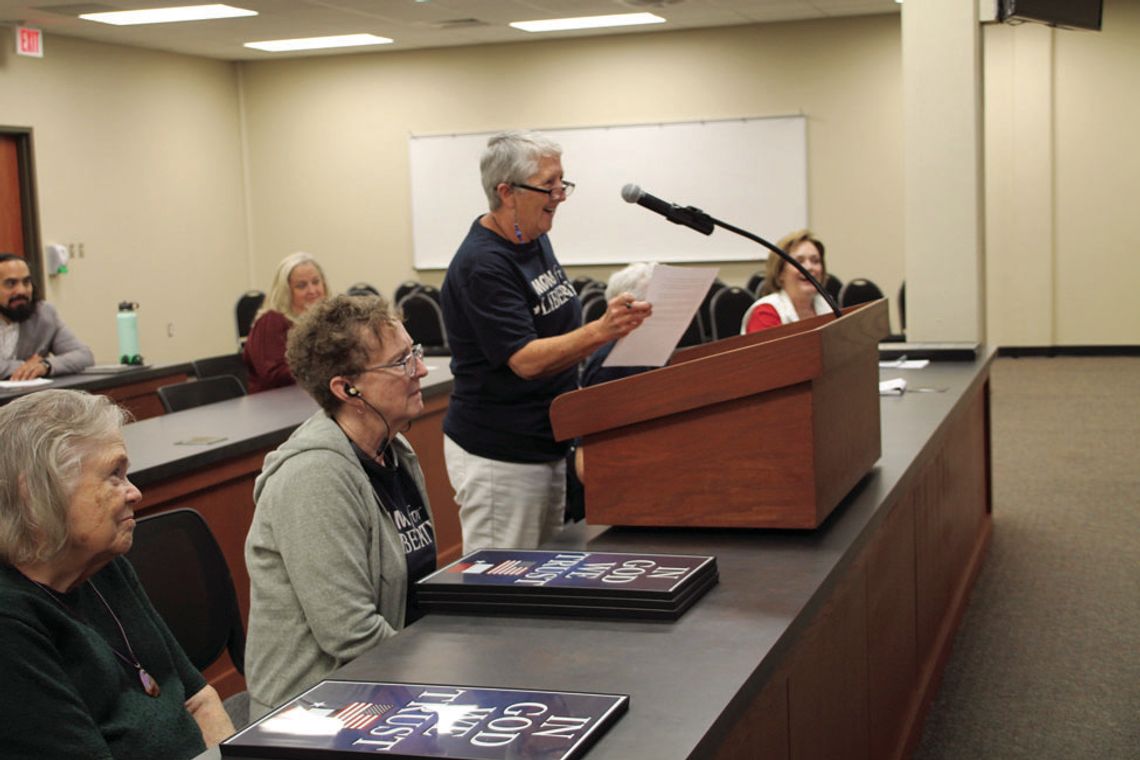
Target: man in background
(34,342)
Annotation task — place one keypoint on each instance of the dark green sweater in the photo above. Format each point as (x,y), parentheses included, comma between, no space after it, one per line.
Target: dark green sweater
(64,694)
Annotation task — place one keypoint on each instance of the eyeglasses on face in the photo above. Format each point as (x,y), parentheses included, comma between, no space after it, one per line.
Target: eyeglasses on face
(564,190)
(409,363)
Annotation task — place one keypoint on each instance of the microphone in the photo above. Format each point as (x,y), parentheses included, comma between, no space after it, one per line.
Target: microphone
(692,218)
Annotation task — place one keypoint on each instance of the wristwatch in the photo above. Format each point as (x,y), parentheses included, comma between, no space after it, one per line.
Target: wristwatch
(47,366)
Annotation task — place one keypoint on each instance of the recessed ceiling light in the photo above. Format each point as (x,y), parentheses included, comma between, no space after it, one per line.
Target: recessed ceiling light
(587,22)
(318,43)
(167,15)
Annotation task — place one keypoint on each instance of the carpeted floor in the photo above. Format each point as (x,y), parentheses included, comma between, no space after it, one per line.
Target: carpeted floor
(1047,661)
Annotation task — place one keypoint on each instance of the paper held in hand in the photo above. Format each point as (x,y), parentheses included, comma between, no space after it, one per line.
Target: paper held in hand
(676,294)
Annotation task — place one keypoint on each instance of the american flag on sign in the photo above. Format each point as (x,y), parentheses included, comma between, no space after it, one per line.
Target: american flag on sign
(360,715)
(476,567)
(510,567)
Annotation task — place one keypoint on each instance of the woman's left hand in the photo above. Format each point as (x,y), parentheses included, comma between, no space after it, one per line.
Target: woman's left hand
(624,314)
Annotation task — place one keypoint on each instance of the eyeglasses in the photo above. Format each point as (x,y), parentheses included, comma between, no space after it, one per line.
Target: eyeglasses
(408,364)
(565,189)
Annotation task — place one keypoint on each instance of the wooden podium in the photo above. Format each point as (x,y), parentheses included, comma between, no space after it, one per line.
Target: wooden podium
(768,430)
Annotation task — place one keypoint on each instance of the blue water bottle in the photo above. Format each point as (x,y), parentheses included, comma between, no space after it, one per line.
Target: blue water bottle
(128,327)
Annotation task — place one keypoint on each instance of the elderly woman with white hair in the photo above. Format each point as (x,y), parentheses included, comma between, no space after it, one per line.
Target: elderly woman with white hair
(87,667)
(514,324)
(298,283)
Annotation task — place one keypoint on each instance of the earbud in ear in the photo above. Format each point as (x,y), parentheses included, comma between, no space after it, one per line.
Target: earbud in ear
(351,390)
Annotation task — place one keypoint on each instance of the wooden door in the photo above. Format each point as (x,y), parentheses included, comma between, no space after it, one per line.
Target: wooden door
(11,207)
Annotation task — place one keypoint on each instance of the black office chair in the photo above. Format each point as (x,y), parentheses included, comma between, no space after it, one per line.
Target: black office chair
(857,291)
(902,306)
(405,288)
(832,285)
(246,310)
(590,288)
(728,307)
(423,320)
(694,334)
(581,282)
(705,310)
(431,291)
(194,393)
(362,289)
(755,282)
(182,568)
(593,307)
(225,364)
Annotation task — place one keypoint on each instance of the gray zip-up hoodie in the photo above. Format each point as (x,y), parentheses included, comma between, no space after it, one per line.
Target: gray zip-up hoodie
(327,573)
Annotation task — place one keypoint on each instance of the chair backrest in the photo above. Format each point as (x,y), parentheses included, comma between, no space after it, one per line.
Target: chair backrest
(188,581)
(431,291)
(423,320)
(405,288)
(902,306)
(592,287)
(593,307)
(581,282)
(832,285)
(728,308)
(226,364)
(857,291)
(362,289)
(194,393)
(246,310)
(755,282)
(705,310)
(694,333)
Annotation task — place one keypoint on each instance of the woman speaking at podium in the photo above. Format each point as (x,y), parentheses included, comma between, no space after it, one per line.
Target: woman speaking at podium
(788,296)
(514,324)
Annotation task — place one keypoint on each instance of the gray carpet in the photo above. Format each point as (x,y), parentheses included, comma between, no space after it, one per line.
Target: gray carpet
(1047,661)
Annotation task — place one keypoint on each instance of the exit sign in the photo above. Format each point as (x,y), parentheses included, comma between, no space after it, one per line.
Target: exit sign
(30,41)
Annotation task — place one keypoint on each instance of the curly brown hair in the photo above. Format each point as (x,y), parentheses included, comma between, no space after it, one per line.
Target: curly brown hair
(328,340)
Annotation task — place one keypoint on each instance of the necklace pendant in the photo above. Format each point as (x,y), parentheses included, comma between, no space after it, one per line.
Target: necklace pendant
(150,686)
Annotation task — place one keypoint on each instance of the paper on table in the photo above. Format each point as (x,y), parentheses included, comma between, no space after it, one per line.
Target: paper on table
(676,294)
(25,383)
(896,386)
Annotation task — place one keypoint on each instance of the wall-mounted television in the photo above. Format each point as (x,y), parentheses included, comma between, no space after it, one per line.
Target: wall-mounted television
(1072,14)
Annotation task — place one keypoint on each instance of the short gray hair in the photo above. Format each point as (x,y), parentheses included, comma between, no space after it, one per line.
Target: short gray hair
(46,436)
(512,157)
(633,279)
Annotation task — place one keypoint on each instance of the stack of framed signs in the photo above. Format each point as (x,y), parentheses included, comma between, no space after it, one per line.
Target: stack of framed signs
(578,584)
(343,719)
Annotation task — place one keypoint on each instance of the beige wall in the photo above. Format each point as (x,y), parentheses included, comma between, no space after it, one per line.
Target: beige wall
(329,137)
(137,157)
(1063,182)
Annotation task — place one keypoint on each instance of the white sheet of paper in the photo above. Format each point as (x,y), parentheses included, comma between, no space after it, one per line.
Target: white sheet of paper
(676,294)
(25,383)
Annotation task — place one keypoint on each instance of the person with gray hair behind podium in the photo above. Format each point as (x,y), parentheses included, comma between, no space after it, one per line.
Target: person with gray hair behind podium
(514,324)
(88,669)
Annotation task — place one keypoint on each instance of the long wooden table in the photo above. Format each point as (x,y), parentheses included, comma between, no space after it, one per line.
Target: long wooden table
(133,389)
(207,459)
(815,644)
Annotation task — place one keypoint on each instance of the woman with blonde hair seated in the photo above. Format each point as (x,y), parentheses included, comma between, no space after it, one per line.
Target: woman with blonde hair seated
(786,295)
(298,283)
(88,669)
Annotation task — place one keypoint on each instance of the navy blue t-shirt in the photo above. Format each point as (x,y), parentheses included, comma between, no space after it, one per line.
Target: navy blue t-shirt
(398,493)
(497,297)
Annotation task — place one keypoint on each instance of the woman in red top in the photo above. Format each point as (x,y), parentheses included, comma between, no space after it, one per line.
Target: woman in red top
(788,296)
(298,284)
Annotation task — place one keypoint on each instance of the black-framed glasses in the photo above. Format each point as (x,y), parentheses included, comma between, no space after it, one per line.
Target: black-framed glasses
(408,364)
(565,189)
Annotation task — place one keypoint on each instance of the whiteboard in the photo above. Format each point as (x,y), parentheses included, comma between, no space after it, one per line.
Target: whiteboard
(751,173)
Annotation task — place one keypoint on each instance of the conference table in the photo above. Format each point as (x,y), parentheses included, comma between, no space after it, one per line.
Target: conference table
(132,388)
(826,643)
